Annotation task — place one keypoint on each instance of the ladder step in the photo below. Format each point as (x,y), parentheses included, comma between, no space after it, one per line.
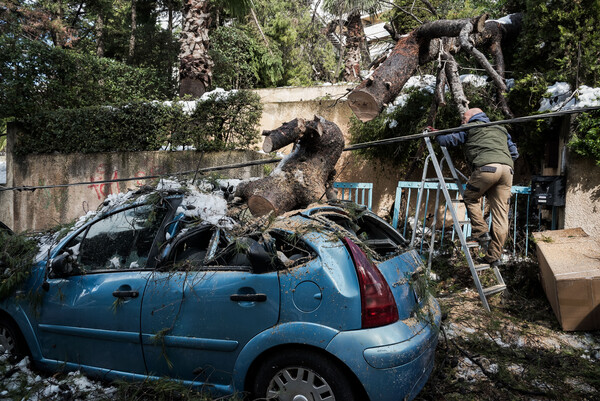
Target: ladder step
(464,222)
(458,201)
(481,267)
(472,244)
(431,180)
(494,289)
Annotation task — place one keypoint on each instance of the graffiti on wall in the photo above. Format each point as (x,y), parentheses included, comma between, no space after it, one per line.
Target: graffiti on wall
(106,188)
(103,189)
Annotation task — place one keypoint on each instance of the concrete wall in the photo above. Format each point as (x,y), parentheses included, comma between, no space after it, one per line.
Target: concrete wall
(45,208)
(582,207)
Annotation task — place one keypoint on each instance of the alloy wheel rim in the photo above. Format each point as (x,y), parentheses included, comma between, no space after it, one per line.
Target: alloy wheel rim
(7,343)
(299,384)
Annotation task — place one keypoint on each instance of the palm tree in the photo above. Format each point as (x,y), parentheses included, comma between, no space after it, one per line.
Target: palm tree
(354,31)
(195,65)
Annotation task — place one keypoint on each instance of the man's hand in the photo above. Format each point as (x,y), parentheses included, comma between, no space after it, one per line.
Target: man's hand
(431,129)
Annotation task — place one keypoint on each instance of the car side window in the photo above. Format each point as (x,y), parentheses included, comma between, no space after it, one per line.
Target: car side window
(122,240)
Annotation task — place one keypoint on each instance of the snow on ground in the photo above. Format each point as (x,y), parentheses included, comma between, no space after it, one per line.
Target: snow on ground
(21,382)
(468,321)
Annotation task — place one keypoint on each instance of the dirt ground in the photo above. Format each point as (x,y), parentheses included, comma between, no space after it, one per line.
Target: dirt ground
(516,352)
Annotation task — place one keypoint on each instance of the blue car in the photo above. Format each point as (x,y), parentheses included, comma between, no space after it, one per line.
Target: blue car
(324,303)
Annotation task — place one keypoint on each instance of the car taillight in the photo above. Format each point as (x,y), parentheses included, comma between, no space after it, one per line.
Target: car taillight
(378,306)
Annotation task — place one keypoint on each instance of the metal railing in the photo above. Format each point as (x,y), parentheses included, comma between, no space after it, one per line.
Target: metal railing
(359,192)
(405,198)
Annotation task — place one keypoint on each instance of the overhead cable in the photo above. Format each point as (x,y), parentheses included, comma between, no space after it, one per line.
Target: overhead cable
(357,146)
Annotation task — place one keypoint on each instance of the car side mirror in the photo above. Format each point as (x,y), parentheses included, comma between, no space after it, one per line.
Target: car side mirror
(62,265)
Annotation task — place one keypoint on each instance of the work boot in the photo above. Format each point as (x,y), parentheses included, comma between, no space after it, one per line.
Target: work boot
(483,240)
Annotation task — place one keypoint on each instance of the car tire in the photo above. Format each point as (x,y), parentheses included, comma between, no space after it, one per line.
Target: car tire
(11,340)
(294,375)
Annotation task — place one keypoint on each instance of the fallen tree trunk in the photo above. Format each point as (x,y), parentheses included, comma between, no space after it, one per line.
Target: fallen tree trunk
(422,46)
(368,98)
(305,175)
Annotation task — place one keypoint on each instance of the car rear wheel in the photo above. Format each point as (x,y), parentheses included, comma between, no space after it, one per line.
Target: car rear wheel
(11,341)
(296,375)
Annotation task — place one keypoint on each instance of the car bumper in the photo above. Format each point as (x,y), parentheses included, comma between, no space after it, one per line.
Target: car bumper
(392,362)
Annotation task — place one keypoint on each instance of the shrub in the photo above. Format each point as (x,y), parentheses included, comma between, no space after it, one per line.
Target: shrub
(218,123)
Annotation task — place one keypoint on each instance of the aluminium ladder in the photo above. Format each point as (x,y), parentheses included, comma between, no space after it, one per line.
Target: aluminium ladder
(458,224)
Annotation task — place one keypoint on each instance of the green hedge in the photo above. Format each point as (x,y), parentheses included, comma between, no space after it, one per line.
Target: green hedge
(35,76)
(219,123)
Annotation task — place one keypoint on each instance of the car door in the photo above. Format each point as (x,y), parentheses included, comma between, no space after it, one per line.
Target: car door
(92,316)
(197,316)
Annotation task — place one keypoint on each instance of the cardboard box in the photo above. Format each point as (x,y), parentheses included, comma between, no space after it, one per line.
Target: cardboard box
(570,268)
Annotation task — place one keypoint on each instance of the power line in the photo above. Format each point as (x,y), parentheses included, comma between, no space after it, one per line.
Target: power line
(426,133)
(357,146)
(146,177)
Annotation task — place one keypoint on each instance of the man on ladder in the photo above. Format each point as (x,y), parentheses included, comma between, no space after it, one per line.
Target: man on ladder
(490,152)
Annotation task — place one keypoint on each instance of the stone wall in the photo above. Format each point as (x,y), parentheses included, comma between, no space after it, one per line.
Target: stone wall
(49,207)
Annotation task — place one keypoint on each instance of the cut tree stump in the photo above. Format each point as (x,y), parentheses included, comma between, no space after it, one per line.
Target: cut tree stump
(305,175)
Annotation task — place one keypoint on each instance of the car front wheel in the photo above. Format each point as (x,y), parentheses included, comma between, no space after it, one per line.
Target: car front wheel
(295,375)
(11,341)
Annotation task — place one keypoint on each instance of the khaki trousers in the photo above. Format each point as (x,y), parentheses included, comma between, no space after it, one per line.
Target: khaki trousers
(494,181)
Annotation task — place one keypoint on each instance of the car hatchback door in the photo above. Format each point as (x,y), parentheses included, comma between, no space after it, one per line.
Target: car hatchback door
(91,318)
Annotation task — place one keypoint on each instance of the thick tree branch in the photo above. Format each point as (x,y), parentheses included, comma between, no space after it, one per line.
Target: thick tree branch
(466,44)
(450,28)
(456,89)
(421,46)
(367,99)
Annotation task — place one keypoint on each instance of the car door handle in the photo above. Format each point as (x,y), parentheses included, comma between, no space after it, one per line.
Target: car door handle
(248,297)
(125,294)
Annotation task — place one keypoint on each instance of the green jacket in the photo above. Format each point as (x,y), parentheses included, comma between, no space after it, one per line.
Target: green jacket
(487,145)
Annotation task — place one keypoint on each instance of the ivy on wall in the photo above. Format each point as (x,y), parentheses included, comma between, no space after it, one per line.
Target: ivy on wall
(220,122)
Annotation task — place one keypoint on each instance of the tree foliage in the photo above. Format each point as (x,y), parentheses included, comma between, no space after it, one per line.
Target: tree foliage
(586,141)
(560,40)
(17,253)
(293,50)
(35,76)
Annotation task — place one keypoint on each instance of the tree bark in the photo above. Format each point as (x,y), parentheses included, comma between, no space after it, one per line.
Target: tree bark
(133,31)
(449,28)
(368,98)
(195,66)
(100,35)
(354,38)
(305,175)
(453,77)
